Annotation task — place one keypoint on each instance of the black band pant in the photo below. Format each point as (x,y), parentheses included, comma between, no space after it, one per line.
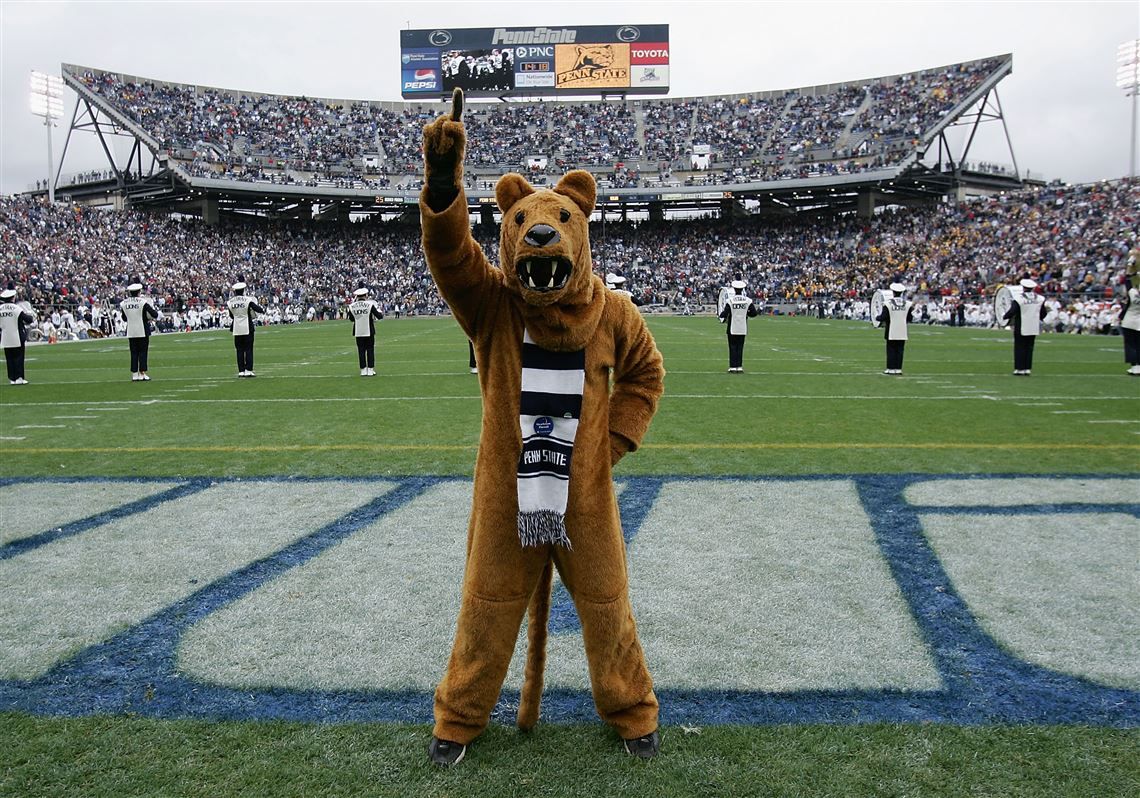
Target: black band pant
(895,354)
(366,351)
(140,350)
(14,360)
(244,346)
(735,351)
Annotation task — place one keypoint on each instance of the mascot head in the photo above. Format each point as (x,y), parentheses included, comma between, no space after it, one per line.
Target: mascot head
(544,248)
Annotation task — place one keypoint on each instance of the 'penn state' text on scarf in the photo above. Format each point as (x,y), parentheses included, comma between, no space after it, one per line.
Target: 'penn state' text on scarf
(551,403)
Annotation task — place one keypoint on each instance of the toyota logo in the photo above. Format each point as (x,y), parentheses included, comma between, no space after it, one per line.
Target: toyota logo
(440,38)
(628,33)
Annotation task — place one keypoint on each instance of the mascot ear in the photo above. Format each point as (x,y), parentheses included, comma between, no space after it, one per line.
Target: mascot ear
(511,188)
(579,186)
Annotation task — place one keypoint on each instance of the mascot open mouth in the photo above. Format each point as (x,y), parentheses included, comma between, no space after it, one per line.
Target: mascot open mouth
(543,273)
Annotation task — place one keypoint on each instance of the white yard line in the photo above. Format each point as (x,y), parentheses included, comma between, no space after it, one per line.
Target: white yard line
(127,403)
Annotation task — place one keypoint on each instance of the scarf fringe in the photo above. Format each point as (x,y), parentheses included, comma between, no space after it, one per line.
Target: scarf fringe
(543,527)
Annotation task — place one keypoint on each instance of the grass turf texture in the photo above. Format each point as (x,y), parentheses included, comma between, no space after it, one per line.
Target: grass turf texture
(812,401)
(124,757)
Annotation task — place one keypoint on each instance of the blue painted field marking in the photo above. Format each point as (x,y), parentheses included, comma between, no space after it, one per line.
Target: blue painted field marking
(984,683)
(22,545)
(135,672)
(634,505)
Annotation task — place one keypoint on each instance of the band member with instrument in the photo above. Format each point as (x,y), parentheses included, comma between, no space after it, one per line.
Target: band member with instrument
(364,312)
(737,310)
(1130,315)
(896,314)
(14,321)
(243,309)
(1026,311)
(139,311)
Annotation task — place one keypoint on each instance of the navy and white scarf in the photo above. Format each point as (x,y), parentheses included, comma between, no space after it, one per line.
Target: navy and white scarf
(551,403)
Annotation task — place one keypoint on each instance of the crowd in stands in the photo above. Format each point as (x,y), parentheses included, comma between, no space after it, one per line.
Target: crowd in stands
(797,133)
(1073,240)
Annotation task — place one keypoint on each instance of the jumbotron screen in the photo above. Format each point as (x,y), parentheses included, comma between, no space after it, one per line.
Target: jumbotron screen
(588,59)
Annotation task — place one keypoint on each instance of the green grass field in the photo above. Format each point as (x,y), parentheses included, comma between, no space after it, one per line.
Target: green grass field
(812,401)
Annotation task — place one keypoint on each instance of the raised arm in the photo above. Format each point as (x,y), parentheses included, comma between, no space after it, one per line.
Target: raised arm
(456,261)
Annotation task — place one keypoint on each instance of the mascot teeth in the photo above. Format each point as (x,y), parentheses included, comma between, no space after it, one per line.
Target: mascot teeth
(544,274)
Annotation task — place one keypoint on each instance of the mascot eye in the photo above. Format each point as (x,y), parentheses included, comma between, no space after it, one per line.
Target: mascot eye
(564,215)
(519,217)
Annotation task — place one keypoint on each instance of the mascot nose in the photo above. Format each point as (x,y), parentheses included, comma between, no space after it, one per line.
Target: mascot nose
(541,235)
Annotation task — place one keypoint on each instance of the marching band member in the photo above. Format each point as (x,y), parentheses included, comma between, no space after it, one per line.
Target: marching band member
(737,311)
(897,313)
(1026,313)
(1130,315)
(616,283)
(14,334)
(364,312)
(242,308)
(138,311)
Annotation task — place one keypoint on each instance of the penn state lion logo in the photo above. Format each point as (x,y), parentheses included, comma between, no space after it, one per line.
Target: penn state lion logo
(594,56)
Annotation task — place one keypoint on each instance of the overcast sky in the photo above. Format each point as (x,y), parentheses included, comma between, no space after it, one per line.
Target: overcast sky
(1065,115)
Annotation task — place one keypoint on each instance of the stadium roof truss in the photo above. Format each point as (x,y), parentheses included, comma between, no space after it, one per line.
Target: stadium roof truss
(130,179)
(165,184)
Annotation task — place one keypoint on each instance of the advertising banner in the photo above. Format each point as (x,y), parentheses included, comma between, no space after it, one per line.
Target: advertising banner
(538,61)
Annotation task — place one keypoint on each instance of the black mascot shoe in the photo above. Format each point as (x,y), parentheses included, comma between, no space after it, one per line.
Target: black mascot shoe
(643,747)
(445,753)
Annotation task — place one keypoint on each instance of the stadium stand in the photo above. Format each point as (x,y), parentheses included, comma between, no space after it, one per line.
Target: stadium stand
(1073,240)
(871,124)
(303,261)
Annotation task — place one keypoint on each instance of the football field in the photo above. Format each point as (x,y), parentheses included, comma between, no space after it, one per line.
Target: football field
(846,583)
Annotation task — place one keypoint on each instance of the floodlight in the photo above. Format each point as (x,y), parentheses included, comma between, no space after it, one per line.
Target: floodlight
(46,100)
(1128,78)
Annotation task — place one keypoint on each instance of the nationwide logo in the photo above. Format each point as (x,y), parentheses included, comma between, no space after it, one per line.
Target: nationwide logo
(536,36)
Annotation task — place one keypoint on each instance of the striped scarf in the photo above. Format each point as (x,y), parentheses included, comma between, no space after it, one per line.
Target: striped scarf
(551,402)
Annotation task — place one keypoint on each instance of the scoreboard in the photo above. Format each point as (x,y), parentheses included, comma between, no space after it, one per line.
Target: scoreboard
(556,61)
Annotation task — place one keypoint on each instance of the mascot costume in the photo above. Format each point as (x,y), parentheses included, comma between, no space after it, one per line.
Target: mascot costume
(570,378)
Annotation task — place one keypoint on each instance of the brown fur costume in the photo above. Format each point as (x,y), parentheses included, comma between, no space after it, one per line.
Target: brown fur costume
(502,577)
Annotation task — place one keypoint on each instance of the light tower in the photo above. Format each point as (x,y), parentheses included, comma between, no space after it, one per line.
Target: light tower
(47,101)
(1128,78)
